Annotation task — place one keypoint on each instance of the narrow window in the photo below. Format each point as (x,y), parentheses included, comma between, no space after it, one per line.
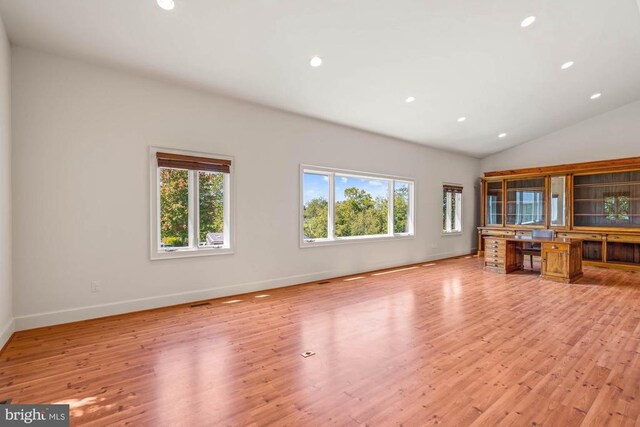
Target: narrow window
(451,209)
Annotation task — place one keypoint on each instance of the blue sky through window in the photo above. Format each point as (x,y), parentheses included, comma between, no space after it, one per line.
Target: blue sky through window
(316,185)
(375,187)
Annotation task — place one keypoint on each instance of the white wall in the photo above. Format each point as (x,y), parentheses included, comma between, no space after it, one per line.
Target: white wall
(81,136)
(612,135)
(6,313)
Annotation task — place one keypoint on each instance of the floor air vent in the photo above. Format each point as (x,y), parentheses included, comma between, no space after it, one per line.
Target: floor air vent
(199,304)
(324,282)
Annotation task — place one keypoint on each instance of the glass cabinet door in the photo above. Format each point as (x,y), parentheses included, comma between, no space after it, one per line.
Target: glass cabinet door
(525,202)
(558,201)
(494,203)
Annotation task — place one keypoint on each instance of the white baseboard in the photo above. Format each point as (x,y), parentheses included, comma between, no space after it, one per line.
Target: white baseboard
(6,331)
(37,320)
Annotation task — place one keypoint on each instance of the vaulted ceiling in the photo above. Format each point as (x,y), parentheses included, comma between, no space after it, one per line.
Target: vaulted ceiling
(458,58)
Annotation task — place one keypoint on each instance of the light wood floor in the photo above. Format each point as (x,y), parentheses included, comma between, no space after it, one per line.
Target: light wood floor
(434,344)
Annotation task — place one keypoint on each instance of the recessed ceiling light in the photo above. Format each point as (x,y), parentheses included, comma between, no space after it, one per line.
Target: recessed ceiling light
(461,119)
(527,21)
(502,135)
(410,99)
(166,4)
(596,95)
(316,61)
(567,64)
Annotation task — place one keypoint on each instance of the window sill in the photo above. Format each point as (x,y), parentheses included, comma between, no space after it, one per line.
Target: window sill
(453,233)
(190,253)
(350,240)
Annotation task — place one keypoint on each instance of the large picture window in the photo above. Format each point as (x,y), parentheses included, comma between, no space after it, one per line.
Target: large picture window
(339,206)
(190,204)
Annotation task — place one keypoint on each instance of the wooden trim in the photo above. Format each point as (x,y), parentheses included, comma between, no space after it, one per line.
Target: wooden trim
(452,188)
(181,161)
(605,165)
(504,203)
(546,199)
(607,230)
(612,264)
(187,304)
(483,204)
(569,204)
(4,347)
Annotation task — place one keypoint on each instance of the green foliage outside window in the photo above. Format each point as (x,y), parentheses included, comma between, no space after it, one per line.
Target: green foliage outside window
(316,216)
(358,215)
(211,203)
(174,206)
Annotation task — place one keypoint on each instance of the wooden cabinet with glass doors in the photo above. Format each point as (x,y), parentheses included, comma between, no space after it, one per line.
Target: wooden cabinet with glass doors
(597,202)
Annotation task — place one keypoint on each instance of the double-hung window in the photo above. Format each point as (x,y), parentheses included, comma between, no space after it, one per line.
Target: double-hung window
(341,206)
(191,204)
(451,209)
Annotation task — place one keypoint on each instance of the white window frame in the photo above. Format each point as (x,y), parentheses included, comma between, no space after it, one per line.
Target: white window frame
(194,250)
(331,173)
(448,219)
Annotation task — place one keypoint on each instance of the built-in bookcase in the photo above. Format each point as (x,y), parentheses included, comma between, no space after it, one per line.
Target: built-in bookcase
(596,202)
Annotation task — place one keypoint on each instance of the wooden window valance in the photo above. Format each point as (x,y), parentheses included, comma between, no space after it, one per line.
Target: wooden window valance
(180,161)
(452,188)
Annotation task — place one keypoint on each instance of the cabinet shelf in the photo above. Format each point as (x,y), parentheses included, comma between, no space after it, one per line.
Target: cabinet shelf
(631,199)
(607,184)
(523,189)
(595,214)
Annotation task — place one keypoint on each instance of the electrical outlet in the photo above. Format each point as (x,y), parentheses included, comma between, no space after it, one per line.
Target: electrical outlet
(96,286)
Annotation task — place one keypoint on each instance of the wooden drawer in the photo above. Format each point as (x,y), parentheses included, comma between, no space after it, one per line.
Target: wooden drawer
(492,253)
(582,236)
(523,233)
(497,265)
(498,232)
(494,242)
(555,246)
(623,238)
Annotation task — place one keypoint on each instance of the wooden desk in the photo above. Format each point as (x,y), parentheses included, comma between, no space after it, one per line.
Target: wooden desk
(561,258)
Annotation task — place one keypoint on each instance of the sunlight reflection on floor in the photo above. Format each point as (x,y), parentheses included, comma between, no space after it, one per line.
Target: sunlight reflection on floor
(77,406)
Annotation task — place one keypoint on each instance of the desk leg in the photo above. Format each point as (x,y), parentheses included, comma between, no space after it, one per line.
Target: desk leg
(520,257)
(513,257)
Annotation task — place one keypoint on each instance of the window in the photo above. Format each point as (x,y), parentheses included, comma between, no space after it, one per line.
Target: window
(451,209)
(191,203)
(340,206)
